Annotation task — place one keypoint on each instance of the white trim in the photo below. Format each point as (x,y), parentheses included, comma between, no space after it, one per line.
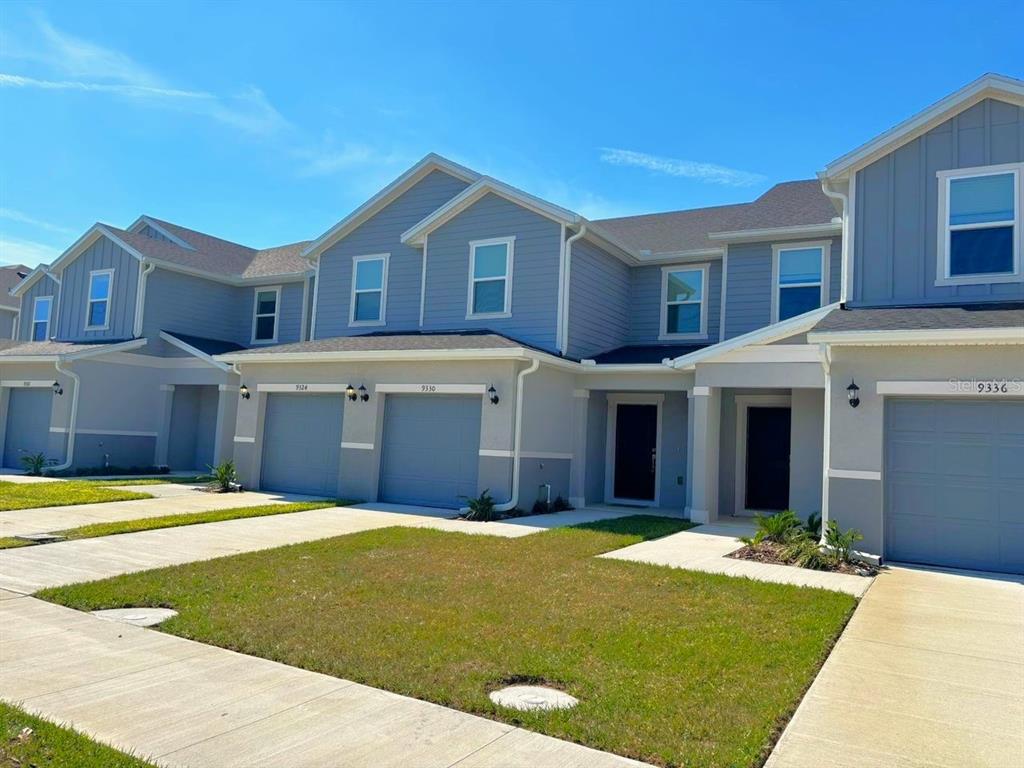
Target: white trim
(33,322)
(770,233)
(921,337)
(773,353)
(944,236)
(495,453)
(423,281)
(316,298)
(152,361)
(228,387)
(145,269)
(145,221)
(615,399)
(197,353)
(114,432)
(954,388)
(302,388)
(510,247)
(33,384)
(552,455)
(357,446)
(702,334)
(560,304)
(304,323)
(100,351)
(242,282)
(823,287)
(721,304)
(743,404)
(382,317)
(854,474)
(431,389)
(256,291)
(701,391)
(244,439)
(167,387)
(583,394)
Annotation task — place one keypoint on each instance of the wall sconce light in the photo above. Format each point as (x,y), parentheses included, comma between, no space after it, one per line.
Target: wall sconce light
(363,394)
(492,395)
(58,390)
(350,393)
(853,393)
(243,392)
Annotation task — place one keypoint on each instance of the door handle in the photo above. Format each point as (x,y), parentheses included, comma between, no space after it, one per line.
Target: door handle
(654,459)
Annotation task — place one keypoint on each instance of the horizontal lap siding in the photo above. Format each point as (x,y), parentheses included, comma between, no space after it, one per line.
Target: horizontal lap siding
(382,234)
(896,213)
(645,302)
(103,254)
(197,307)
(534,272)
(748,301)
(599,286)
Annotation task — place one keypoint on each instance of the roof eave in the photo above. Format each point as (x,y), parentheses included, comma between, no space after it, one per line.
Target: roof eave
(768,233)
(920,337)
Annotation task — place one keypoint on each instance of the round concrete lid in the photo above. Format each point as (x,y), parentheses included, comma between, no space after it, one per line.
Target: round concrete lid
(140,617)
(532,697)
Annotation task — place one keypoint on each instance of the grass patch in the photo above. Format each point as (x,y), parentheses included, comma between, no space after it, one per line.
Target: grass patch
(26,740)
(672,667)
(163,480)
(60,494)
(173,521)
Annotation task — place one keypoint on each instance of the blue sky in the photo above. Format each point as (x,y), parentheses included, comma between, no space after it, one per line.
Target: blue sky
(265,123)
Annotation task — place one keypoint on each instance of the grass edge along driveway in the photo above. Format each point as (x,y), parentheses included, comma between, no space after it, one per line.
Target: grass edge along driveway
(672,667)
(60,494)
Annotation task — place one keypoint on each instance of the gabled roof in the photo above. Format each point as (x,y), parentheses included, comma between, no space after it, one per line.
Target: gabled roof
(990,85)
(49,351)
(9,279)
(391,192)
(920,318)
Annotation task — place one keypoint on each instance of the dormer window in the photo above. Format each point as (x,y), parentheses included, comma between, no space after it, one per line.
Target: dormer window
(683,306)
(799,273)
(97,314)
(369,290)
(980,222)
(490,278)
(41,309)
(266,310)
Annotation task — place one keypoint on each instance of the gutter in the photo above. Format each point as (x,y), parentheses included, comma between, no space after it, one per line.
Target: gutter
(844,199)
(563,321)
(73,423)
(140,297)
(513,502)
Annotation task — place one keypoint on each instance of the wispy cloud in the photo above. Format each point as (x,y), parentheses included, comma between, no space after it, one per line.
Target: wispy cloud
(17,251)
(23,218)
(690,169)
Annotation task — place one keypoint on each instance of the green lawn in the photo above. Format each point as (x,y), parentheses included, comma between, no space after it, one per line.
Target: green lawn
(30,741)
(173,521)
(161,480)
(672,667)
(59,494)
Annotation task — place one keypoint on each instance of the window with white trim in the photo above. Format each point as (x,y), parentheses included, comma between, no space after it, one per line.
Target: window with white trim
(369,290)
(266,310)
(97,313)
(490,278)
(41,310)
(683,308)
(980,224)
(799,272)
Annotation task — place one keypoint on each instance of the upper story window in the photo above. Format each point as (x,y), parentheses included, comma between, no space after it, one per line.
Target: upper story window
(683,308)
(800,284)
(97,313)
(980,222)
(490,278)
(41,309)
(369,290)
(266,311)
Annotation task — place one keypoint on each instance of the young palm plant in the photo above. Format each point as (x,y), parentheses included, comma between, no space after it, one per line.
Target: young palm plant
(35,463)
(224,477)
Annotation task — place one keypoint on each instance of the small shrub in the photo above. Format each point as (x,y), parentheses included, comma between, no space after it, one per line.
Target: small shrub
(481,508)
(813,525)
(805,552)
(561,505)
(224,477)
(35,463)
(540,508)
(778,528)
(840,543)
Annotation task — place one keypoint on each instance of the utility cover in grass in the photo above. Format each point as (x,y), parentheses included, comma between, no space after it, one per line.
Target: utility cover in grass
(530,697)
(140,617)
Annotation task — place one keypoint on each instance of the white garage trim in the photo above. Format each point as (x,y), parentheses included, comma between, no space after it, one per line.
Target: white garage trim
(26,384)
(854,474)
(114,432)
(244,439)
(357,446)
(976,388)
(300,388)
(495,453)
(432,389)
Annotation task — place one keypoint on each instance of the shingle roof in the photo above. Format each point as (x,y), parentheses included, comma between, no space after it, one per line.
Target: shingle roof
(10,277)
(388,342)
(924,318)
(645,353)
(49,348)
(791,203)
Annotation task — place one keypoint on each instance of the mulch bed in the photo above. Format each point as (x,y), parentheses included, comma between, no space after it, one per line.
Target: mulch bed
(770,552)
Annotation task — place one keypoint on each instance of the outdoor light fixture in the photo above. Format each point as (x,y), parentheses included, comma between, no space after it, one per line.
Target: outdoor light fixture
(350,393)
(492,395)
(243,392)
(57,389)
(363,394)
(853,392)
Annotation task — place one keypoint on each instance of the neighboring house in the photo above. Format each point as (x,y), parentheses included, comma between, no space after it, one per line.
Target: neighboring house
(113,363)
(9,306)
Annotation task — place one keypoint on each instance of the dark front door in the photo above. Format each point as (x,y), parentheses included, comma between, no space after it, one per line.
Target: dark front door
(768,458)
(636,445)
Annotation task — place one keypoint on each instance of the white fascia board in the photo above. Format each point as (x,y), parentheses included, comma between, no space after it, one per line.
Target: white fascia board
(922,337)
(94,233)
(125,346)
(511,353)
(772,233)
(766,335)
(29,280)
(637,368)
(144,221)
(288,277)
(604,239)
(198,353)
(392,191)
(987,86)
(696,255)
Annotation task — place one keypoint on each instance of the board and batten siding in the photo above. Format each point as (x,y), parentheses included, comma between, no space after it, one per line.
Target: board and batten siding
(599,309)
(535,270)
(749,286)
(74,290)
(44,286)
(645,303)
(896,227)
(382,234)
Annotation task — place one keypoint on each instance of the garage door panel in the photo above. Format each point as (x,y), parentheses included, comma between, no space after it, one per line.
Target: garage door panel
(966,502)
(912,456)
(28,424)
(1011,462)
(965,459)
(1011,546)
(302,443)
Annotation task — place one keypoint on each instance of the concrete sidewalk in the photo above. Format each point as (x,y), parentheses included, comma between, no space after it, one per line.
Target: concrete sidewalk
(182,703)
(929,672)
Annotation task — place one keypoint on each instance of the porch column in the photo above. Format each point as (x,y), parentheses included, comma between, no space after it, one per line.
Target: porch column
(705,407)
(163,433)
(578,466)
(227,413)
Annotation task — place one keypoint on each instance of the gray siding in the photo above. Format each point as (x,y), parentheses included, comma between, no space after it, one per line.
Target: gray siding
(148,231)
(896,211)
(534,271)
(645,302)
(382,234)
(289,322)
(103,254)
(599,286)
(7,324)
(44,286)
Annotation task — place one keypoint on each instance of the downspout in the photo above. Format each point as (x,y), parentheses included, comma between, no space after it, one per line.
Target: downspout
(513,502)
(564,319)
(140,301)
(844,198)
(73,423)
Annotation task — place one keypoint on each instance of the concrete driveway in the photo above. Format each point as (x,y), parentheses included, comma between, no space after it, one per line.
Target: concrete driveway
(929,672)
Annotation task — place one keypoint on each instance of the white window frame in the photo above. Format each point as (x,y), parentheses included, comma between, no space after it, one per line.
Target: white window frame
(942,267)
(33,322)
(356,261)
(702,334)
(89,301)
(276,289)
(826,258)
(510,244)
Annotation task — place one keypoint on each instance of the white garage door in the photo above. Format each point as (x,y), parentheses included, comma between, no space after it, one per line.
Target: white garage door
(955,483)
